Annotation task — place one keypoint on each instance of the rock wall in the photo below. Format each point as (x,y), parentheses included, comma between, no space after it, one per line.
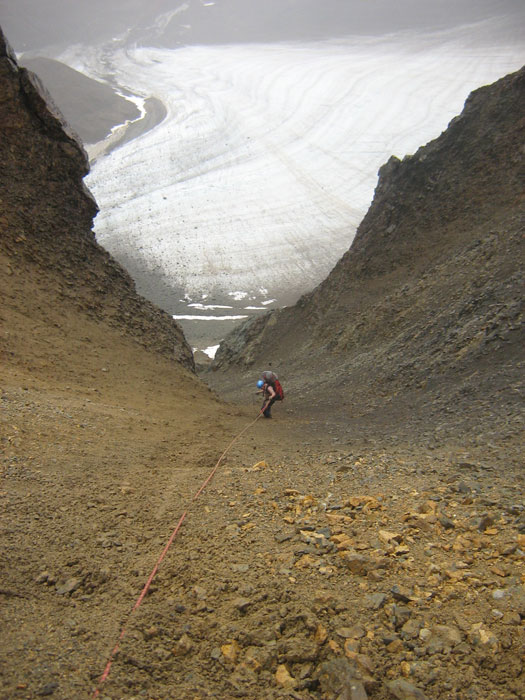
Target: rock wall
(46,216)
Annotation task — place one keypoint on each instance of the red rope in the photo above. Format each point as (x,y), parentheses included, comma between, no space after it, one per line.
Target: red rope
(164,552)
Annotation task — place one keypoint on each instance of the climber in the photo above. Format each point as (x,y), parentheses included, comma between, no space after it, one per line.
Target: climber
(270,386)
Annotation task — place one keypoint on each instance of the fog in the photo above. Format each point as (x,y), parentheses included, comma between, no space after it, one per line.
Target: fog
(32,25)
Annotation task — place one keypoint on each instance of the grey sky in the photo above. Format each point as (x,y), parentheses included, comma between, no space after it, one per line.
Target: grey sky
(35,24)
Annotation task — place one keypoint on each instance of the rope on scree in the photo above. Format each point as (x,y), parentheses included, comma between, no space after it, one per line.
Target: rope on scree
(165,551)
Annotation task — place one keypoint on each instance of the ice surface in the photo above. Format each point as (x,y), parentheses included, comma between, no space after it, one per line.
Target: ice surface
(267,160)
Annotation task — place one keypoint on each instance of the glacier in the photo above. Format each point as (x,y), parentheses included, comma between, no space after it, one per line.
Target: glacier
(266,160)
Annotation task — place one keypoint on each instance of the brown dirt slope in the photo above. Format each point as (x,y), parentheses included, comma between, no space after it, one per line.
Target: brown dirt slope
(318,564)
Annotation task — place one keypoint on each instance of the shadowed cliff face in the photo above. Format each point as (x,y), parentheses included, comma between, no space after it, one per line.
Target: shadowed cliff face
(46,216)
(425,306)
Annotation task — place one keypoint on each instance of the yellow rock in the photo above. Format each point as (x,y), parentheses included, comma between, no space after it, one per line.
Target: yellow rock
(321,634)
(334,646)
(260,465)
(305,561)
(387,537)
(326,570)
(309,501)
(337,519)
(342,537)
(231,651)
(401,549)
(342,541)
(405,669)
(283,677)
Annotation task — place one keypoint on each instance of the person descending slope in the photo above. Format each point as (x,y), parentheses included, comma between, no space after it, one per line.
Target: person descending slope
(270,386)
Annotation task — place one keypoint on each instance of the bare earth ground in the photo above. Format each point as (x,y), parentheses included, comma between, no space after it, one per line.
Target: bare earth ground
(315,564)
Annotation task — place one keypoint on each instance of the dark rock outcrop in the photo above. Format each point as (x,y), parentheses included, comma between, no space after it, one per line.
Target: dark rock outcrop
(425,307)
(46,216)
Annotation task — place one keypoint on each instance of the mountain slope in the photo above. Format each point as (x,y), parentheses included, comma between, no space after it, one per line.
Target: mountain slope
(298,573)
(47,214)
(424,311)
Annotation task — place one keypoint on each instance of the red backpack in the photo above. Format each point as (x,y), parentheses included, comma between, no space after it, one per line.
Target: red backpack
(271,379)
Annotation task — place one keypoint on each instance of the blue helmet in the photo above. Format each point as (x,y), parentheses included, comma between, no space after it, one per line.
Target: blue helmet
(260,383)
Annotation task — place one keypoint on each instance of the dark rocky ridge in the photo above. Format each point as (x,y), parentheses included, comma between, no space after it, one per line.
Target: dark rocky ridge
(423,314)
(47,213)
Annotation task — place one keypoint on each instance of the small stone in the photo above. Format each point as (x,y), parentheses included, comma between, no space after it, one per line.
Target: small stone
(305,562)
(231,651)
(352,646)
(388,537)
(47,689)
(358,563)
(479,636)
(410,629)
(355,632)
(338,680)
(42,578)
(300,651)
(183,646)
(242,604)
(403,690)
(375,601)
(321,634)
(284,535)
(406,669)
(283,677)
(446,522)
(442,639)
(199,592)
(72,584)
(485,522)
(364,663)
(401,594)
(511,618)
(342,541)
(424,634)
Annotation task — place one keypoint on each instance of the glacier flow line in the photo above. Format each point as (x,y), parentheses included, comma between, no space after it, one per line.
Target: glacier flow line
(210,476)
